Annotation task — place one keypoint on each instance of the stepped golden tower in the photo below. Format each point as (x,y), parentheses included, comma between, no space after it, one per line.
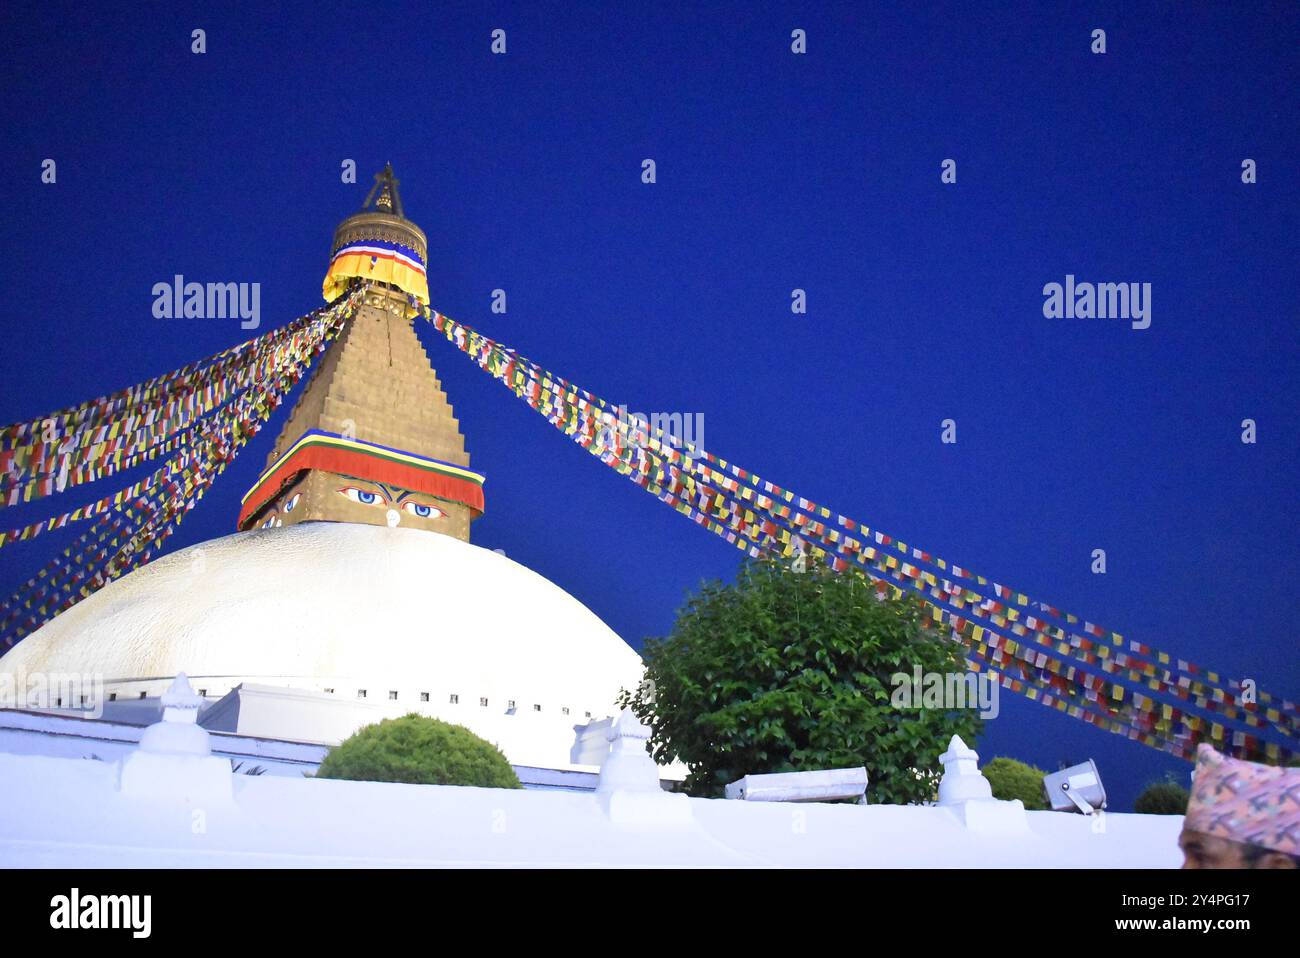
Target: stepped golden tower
(372,439)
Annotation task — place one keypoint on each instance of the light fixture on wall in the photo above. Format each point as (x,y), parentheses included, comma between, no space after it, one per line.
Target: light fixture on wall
(1077,788)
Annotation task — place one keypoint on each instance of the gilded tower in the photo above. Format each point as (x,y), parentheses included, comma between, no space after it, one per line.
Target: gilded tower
(372,439)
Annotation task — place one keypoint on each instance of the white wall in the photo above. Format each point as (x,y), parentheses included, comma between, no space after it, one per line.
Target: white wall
(68,812)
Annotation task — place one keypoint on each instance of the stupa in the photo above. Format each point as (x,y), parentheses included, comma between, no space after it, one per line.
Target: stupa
(351,590)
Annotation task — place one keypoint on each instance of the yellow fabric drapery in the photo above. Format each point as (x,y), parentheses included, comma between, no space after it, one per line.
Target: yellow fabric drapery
(378,262)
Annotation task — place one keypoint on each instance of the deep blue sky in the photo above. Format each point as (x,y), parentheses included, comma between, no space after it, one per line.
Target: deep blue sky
(775,171)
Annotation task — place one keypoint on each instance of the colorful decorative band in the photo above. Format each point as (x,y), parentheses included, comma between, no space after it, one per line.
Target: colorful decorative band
(330,452)
(378,249)
(379,262)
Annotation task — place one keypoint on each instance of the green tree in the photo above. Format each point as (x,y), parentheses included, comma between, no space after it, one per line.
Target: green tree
(1165,797)
(785,671)
(419,750)
(1012,779)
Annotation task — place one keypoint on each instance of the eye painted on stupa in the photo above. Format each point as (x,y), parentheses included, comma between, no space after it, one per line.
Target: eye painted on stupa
(365,497)
(293,501)
(269,522)
(423,511)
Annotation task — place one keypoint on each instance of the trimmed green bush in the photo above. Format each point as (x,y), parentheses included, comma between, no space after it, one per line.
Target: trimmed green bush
(1012,779)
(1165,797)
(419,750)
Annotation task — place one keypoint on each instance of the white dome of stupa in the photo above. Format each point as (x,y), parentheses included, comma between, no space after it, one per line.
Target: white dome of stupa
(402,617)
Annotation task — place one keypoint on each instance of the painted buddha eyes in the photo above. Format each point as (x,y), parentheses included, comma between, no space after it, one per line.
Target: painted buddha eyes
(362,496)
(289,506)
(367,497)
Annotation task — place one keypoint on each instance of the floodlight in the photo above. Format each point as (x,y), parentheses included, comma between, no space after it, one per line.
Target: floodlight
(1077,788)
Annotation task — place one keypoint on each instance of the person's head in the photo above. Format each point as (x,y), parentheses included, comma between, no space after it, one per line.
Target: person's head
(1208,851)
(1241,815)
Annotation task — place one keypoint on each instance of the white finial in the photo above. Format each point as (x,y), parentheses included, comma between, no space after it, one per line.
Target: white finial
(174,761)
(962,779)
(180,702)
(628,767)
(628,788)
(957,749)
(626,729)
(179,732)
(969,796)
